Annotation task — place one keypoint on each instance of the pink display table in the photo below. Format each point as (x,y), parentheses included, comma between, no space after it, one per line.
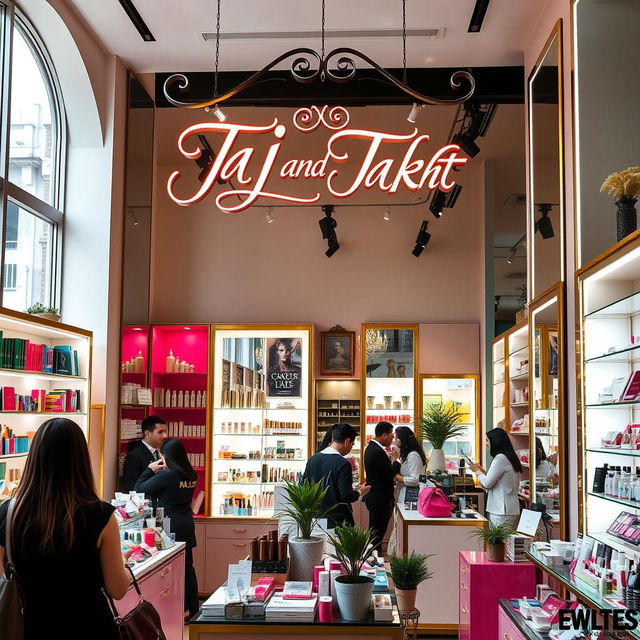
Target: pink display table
(482,585)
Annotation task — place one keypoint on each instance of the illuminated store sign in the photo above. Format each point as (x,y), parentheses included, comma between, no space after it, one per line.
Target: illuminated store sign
(251,174)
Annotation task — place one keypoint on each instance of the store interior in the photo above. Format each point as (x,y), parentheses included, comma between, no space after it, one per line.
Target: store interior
(247,223)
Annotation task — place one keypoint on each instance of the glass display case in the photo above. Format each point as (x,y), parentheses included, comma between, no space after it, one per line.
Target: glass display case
(547,402)
(389,375)
(461,391)
(261,414)
(499,373)
(609,292)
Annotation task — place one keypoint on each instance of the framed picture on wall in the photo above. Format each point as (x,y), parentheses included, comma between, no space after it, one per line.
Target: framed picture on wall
(284,368)
(338,348)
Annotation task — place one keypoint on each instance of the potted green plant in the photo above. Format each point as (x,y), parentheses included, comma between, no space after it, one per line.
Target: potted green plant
(440,422)
(494,536)
(351,548)
(624,186)
(407,572)
(39,310)
(305,508)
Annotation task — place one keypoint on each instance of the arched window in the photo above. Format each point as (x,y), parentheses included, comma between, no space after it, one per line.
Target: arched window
(32,198)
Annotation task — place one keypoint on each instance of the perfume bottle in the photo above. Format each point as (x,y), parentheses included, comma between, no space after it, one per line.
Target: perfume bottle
(170,362)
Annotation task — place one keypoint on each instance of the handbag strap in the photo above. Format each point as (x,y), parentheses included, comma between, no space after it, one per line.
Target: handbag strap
(112,604)
(7,532)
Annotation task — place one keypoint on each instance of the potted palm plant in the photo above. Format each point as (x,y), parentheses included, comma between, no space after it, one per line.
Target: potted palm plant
(494,536)
(440,422)
(407,572)
(305,509)
(351,548)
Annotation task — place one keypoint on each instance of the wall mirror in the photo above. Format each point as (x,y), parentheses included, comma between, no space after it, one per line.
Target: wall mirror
(138,195)
(546,404)
(546,200)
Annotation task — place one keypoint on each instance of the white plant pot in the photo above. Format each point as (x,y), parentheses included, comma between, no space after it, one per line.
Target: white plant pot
(436,460)
(354,598)
(304,554)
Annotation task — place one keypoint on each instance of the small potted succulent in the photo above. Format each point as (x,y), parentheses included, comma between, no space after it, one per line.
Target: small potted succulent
(407,572)
(351,548)
(494,536)
(440,422)
(305,509)
(624,186)
(39,310)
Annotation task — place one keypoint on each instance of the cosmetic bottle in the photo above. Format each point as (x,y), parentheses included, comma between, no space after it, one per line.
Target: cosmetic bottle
(599,478)
(176,365)
(170,362)
(167,398)
(139,364)
(198,399)
(174,399)
(192,400)
(615,482)
(204,398)
(180,399)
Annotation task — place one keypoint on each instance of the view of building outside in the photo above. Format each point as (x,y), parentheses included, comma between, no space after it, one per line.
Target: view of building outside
(29,239)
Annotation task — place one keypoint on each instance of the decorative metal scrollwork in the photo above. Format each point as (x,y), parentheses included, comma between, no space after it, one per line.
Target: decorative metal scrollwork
(309,66)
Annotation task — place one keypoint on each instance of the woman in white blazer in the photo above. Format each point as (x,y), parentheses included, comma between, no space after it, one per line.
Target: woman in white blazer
(501,481)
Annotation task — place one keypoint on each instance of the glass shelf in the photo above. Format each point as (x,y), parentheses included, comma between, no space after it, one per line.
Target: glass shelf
(626,503)
(629,453)
(498,361)
(517,351)
(610,357)
(628,305)
(519,404)
(26,373)
(520,376)
(623,405)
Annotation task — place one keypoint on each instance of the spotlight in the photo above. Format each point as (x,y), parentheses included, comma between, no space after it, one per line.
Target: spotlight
(415,111)
(442,200)
(543,224)
(268,216)
(387,214)
(511,256)
(467,143)
(206,159)
(422,240)
(217,112)
(328,227)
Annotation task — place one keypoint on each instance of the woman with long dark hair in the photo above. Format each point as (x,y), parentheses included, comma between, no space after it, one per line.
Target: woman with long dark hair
(545,467)
(171,482)
(65,541)
(502,480)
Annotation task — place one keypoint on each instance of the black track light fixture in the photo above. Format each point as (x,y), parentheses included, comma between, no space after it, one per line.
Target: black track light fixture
(543,223)
(442,200)
(467,143)
(207,156)
(328,227)
(422,240)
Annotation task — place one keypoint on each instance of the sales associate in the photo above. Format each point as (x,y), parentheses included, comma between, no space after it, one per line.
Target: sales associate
(143,453)
(331,467)
(171,482)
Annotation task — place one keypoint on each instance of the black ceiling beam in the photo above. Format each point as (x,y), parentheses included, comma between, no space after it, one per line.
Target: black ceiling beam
(477,17)
(500,85)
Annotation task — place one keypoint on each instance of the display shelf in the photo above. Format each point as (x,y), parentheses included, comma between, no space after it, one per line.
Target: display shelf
(520,376)
(613,356)
(609,405)
(626,503)
(518,351)
(625,306)
(7,456)
(517,405)
(629,453)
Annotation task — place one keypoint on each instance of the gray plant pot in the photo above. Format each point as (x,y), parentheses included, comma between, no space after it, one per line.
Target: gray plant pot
(305,553)
(354,598)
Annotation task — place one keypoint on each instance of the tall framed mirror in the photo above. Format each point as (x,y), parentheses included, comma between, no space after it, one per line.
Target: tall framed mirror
(546,404)
(546,183)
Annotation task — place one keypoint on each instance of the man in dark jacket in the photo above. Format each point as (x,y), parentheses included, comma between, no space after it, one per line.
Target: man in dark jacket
(380,469)
(144,452)
(331,467)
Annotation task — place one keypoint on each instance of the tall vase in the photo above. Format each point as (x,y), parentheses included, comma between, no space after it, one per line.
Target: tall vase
(626,217)
(436,460)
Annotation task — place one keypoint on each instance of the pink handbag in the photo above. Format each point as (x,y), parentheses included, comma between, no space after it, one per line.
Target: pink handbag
(433,503)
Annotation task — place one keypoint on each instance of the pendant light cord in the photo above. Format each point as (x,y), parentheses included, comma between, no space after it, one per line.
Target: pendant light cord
(215,75)
(322,74)
(404,42)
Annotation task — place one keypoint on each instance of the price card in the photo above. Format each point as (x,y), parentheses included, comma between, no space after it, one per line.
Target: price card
(529,522)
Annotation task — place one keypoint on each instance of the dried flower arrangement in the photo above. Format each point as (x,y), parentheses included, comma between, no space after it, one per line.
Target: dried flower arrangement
(623,184)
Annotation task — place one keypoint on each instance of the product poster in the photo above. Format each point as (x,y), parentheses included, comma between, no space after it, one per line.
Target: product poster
(284,368)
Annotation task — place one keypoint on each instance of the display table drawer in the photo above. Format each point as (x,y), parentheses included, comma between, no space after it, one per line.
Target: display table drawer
(169,603)
(155,582)
(231,530)
(507,630)
(220,554)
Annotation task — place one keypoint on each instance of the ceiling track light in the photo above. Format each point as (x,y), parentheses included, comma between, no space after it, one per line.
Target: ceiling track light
(328,227)
(268,217)
(511,255)
(422,239)
(467,143)
(442,200)
(543,223)
(217,112)
(387,213)
(416,108)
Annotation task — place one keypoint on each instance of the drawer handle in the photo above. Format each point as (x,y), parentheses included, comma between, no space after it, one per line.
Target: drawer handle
(463,569)
(507,636)
(239,544)
(239,530)
(464,609)
(164,594)
(165,573)
(463,586)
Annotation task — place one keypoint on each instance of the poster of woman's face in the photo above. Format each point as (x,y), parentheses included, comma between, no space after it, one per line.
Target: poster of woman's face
(338,351)
(284,368)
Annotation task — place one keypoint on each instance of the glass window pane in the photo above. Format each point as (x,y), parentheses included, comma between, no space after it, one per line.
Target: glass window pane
(28,260)
(33,135)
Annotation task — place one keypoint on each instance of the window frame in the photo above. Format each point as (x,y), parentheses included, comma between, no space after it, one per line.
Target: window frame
(12,18)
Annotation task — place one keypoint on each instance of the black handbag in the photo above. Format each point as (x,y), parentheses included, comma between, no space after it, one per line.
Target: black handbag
(141,623)
(11,599)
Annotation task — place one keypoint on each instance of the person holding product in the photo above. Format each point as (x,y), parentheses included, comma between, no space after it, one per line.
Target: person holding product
(65,542)
(142,453)
(413,463)
(331,467)
(380,469)
(502,480)
(171,481)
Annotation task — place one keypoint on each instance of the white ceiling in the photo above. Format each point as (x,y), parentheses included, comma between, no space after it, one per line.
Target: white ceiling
(179,46)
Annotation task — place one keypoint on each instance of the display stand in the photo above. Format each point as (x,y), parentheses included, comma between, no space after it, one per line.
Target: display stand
(45,370)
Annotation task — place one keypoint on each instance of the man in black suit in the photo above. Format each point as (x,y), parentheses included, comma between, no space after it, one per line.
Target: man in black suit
(330,466)
(143,453)
(380,469)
